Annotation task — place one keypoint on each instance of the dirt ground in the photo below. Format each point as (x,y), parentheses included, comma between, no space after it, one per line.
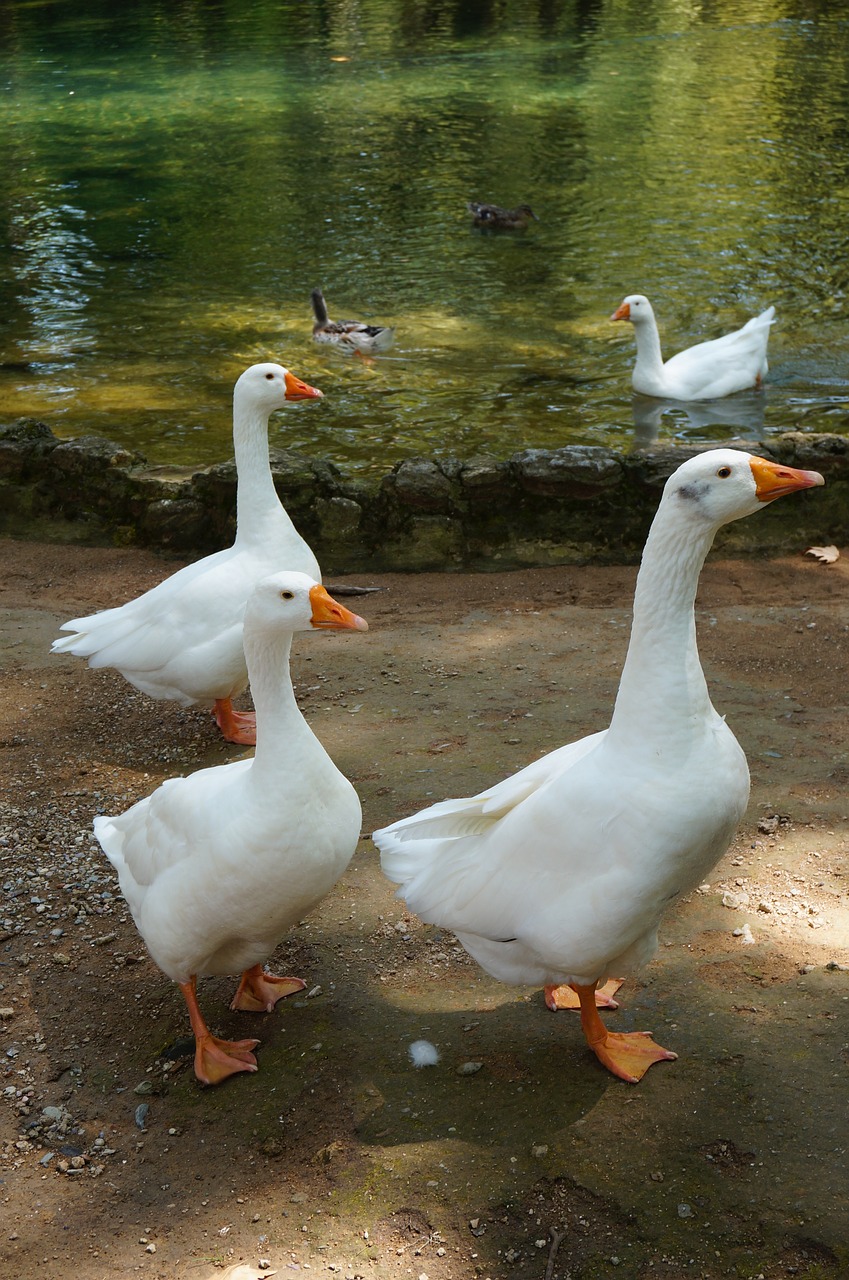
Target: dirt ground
(517,1155)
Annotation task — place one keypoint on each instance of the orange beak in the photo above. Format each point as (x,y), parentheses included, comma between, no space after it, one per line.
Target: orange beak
(773,481)
(622,312)
(297,390)
(327,615)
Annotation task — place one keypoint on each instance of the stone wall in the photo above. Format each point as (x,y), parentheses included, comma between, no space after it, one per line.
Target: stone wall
(573,505)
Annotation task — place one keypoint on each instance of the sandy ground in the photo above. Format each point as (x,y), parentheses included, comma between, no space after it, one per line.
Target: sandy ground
(338,1157)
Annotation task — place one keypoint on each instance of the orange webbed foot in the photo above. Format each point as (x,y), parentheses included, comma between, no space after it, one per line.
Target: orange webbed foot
(566,997)
(216,1059)
(627,1054)
(236,726)
(258,991)
(630,1054)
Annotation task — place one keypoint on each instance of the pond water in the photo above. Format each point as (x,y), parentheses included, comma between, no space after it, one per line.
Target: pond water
(176,177)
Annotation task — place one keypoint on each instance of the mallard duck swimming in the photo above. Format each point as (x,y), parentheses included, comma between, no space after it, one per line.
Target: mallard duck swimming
(735,362)
(217,866)
(182,640)
(561,873)
(350,335)
(493,216)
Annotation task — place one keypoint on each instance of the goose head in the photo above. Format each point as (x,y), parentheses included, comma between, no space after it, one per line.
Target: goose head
(268,386)
(635,308)
(726,484)
(289,602)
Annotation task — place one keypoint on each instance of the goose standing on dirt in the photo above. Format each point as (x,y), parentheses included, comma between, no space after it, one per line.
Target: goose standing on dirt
(735,362)
(217,866)
(560,874)
(350,335)
(182,640)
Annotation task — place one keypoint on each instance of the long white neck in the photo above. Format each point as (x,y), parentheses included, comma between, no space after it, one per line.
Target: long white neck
(649,358)
(282,733)
(258,508)
(662,679)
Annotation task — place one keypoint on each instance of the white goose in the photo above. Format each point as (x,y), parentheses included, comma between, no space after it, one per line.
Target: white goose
(560,874)
(217,866)
(182,640)
(735,362)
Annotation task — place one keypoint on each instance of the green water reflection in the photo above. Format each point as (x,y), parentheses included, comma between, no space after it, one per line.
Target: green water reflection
(176,177)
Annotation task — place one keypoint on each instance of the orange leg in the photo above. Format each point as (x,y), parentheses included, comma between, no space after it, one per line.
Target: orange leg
(237,726)
(215,1059)
(566,997)
(258,992)
(627,1054)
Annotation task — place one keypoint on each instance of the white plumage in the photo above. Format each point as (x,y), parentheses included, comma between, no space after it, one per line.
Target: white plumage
(423,1053)
(560,874)
(735,362)
(215,867)
(182,640)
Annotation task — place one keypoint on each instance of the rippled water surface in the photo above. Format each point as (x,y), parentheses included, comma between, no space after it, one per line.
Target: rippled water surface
(175,178)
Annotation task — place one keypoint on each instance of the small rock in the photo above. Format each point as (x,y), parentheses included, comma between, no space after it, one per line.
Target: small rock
(684,1211)
(144,1088)
(141,1114)
(469,1068)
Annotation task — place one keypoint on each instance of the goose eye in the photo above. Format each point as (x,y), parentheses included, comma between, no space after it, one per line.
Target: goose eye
(269,377)
(724,473)
(287,595)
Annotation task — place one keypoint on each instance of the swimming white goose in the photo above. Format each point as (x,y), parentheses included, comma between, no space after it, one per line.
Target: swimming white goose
(560,874)
(350,335)
(182,640)
(216,867)
(735,362)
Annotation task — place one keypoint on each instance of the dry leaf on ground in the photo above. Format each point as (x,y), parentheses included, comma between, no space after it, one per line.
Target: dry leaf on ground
(825,555)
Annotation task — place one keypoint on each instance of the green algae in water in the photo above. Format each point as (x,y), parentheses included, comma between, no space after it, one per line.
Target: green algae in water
(175,182)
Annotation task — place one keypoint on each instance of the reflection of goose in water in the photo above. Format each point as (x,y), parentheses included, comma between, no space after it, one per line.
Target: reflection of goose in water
(744,412)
